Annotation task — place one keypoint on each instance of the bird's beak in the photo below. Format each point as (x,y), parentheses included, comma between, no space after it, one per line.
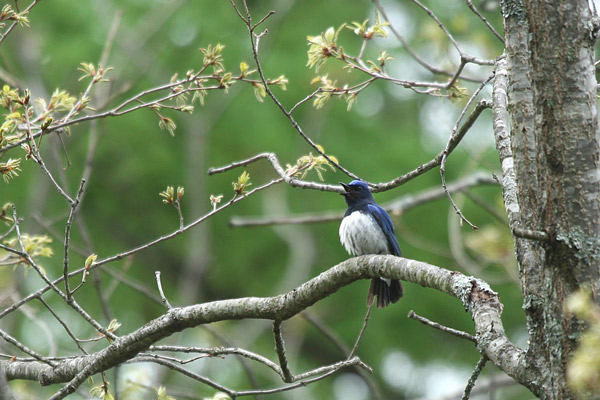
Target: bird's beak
(347,188)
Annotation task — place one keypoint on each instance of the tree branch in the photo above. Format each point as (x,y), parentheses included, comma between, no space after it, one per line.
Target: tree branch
(475,295)
(395,207)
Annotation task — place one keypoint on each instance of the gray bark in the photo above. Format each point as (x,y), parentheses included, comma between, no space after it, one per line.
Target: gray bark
(475,295)
(555,147)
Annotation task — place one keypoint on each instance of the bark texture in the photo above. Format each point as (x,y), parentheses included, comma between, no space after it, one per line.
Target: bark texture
(556,152)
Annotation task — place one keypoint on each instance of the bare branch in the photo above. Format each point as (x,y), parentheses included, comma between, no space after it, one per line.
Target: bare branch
(119,256)
(474,376)
(463,56)
(26,349)
(74,207)
(160,290)
(395,207)
(475,295)
(361,333)
(428,322)
(254,40)
(413,54)
(218,351)
(480,106)
(503,145)
(485,21)
(64,325)
(280,350)
(437,160)
(14,24)
(50,285)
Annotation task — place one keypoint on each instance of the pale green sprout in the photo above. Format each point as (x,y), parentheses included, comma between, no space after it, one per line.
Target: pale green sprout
(376,30)
(309,163)
(113,326)
(101,392)
(259,91)
(201,93)
(91,71)
(328,89)
(166,123)
(212,56)
(8,13)
(322,47)
(245,70)
(226,81)
(215,200)
(4,214)
(34,245)
(10,169)
(282,82)
(171,196)
(161,394)
(242,183)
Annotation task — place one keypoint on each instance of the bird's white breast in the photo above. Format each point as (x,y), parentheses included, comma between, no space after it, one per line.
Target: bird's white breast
(360,234)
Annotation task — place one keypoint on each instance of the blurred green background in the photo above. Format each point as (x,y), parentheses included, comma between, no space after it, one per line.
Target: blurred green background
(389,131)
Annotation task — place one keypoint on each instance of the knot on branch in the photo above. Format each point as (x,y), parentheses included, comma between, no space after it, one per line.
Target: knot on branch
(472,291)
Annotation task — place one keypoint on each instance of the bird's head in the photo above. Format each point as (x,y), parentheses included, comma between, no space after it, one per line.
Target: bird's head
(356,192)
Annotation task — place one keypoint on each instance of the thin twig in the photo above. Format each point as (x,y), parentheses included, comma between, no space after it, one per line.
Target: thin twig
(455,332)
(361,333)
(119,256)
(74,208)
(485,21)
(450,37)
(160,290)
(483,104)
(280,349)
(395,207)
(254,41)
(37,157)
(64,324)
(218,351)
(50,285)
(474,376)
(410,51)
(12,26)
(26,349)
(345,350)
(121,277)
(290,180)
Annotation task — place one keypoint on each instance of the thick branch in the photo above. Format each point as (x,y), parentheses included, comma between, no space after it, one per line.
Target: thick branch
(475,295)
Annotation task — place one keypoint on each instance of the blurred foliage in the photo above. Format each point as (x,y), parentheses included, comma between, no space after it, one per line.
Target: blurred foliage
(583,372)
(388,131)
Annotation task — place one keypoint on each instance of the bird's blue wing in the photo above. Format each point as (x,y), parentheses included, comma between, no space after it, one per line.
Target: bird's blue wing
(385,223)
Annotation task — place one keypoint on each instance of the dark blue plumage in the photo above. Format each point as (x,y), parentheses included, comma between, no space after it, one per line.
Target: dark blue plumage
(368,229)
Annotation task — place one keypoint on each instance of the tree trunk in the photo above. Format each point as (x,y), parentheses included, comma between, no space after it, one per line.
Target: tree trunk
(556,151)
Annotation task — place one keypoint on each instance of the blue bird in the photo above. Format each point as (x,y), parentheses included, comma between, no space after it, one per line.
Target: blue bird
(368,229)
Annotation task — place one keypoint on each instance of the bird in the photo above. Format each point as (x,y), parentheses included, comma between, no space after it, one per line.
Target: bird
(368,229)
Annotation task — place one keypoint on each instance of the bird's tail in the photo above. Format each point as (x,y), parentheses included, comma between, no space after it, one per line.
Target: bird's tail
(387,291)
